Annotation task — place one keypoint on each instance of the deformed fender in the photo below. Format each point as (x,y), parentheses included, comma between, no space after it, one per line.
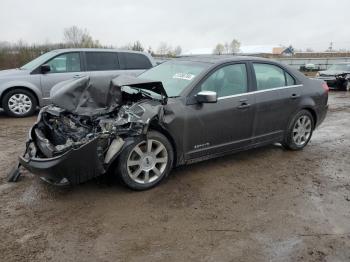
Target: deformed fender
(127,142)
(153,112)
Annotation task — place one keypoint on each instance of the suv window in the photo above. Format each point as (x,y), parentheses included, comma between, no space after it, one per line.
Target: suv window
(69,62)
(228,80)
(271,76)
(134,61)
(101,61)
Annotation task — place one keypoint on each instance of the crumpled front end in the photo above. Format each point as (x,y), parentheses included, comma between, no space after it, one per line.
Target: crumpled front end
(69,148)
(73,167)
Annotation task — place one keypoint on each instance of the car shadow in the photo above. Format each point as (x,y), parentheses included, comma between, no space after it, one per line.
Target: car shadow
(3,115)
(110,181)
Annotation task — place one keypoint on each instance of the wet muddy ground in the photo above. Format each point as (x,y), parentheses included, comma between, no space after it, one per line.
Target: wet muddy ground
(266,204)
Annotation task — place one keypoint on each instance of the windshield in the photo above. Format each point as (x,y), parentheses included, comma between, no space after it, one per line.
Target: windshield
(38,61)
(175,75)
(340,67)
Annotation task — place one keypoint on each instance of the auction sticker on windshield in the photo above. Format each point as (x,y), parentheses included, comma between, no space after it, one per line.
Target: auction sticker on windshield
(184,76)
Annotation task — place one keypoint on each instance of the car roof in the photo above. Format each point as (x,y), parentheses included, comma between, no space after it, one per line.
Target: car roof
(219,59)
(64,50)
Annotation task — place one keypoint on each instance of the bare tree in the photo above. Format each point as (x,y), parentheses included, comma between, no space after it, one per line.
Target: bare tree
(137,46)
(4,44)
(73,36)
(226,48)
(178,50)
(149,50)
(163,49)
(89,42)
(77,37)
(126,47)
(235,46)
(219,49)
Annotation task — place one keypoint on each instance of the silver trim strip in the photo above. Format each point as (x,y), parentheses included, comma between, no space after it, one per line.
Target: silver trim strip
(259,91)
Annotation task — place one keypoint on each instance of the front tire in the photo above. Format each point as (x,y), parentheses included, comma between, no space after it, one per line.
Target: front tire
(19,103)
(299,131)
(145,163)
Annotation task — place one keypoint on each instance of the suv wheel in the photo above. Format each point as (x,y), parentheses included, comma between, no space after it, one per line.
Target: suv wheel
(299,131)
(19,103)
(145,163)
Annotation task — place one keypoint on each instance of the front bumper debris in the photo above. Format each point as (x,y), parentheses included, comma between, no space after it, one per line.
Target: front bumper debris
(75,166)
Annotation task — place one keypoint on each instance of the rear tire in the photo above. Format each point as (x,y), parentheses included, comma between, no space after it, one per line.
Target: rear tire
(299,131)
(145,163)
(19,103)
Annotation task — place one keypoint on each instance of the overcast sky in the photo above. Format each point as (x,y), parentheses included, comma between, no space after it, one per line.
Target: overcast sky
(191,24)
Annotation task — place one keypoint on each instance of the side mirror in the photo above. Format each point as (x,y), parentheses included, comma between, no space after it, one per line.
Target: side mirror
(45,68)
(207,97)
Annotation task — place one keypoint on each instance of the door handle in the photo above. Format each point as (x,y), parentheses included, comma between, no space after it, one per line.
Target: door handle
(294,96)
(77,76)
(243,105)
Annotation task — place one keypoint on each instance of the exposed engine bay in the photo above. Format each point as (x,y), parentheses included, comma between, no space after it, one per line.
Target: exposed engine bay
(87,119)
(63,130)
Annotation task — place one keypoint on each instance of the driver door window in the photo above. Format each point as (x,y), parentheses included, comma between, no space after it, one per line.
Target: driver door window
(227,81)
(64,63)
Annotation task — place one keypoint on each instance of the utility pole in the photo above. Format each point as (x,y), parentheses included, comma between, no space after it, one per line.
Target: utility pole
(330,48)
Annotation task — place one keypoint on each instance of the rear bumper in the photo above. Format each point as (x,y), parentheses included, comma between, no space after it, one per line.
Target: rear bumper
(75,166)
(330,80)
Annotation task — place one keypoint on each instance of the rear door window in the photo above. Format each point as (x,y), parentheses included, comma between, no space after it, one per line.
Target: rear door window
(101,61)
(134,61)
(269,76)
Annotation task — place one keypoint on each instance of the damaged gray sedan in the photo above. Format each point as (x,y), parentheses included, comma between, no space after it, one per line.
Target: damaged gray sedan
(179,112)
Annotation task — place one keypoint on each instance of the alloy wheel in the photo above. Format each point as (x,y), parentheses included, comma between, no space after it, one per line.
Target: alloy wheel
(147,161)
(302,130)
(19,104)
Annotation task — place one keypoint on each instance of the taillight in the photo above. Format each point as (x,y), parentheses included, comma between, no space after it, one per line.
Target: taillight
(325,86)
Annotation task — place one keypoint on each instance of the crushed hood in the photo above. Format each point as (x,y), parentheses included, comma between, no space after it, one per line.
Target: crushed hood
(126,80)
(97,95)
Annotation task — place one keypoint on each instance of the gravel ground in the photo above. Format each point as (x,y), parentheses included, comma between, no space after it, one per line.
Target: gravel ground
(266,204)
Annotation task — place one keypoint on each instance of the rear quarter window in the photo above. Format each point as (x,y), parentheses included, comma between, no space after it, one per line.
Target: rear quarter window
(134,61)
(290,80)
